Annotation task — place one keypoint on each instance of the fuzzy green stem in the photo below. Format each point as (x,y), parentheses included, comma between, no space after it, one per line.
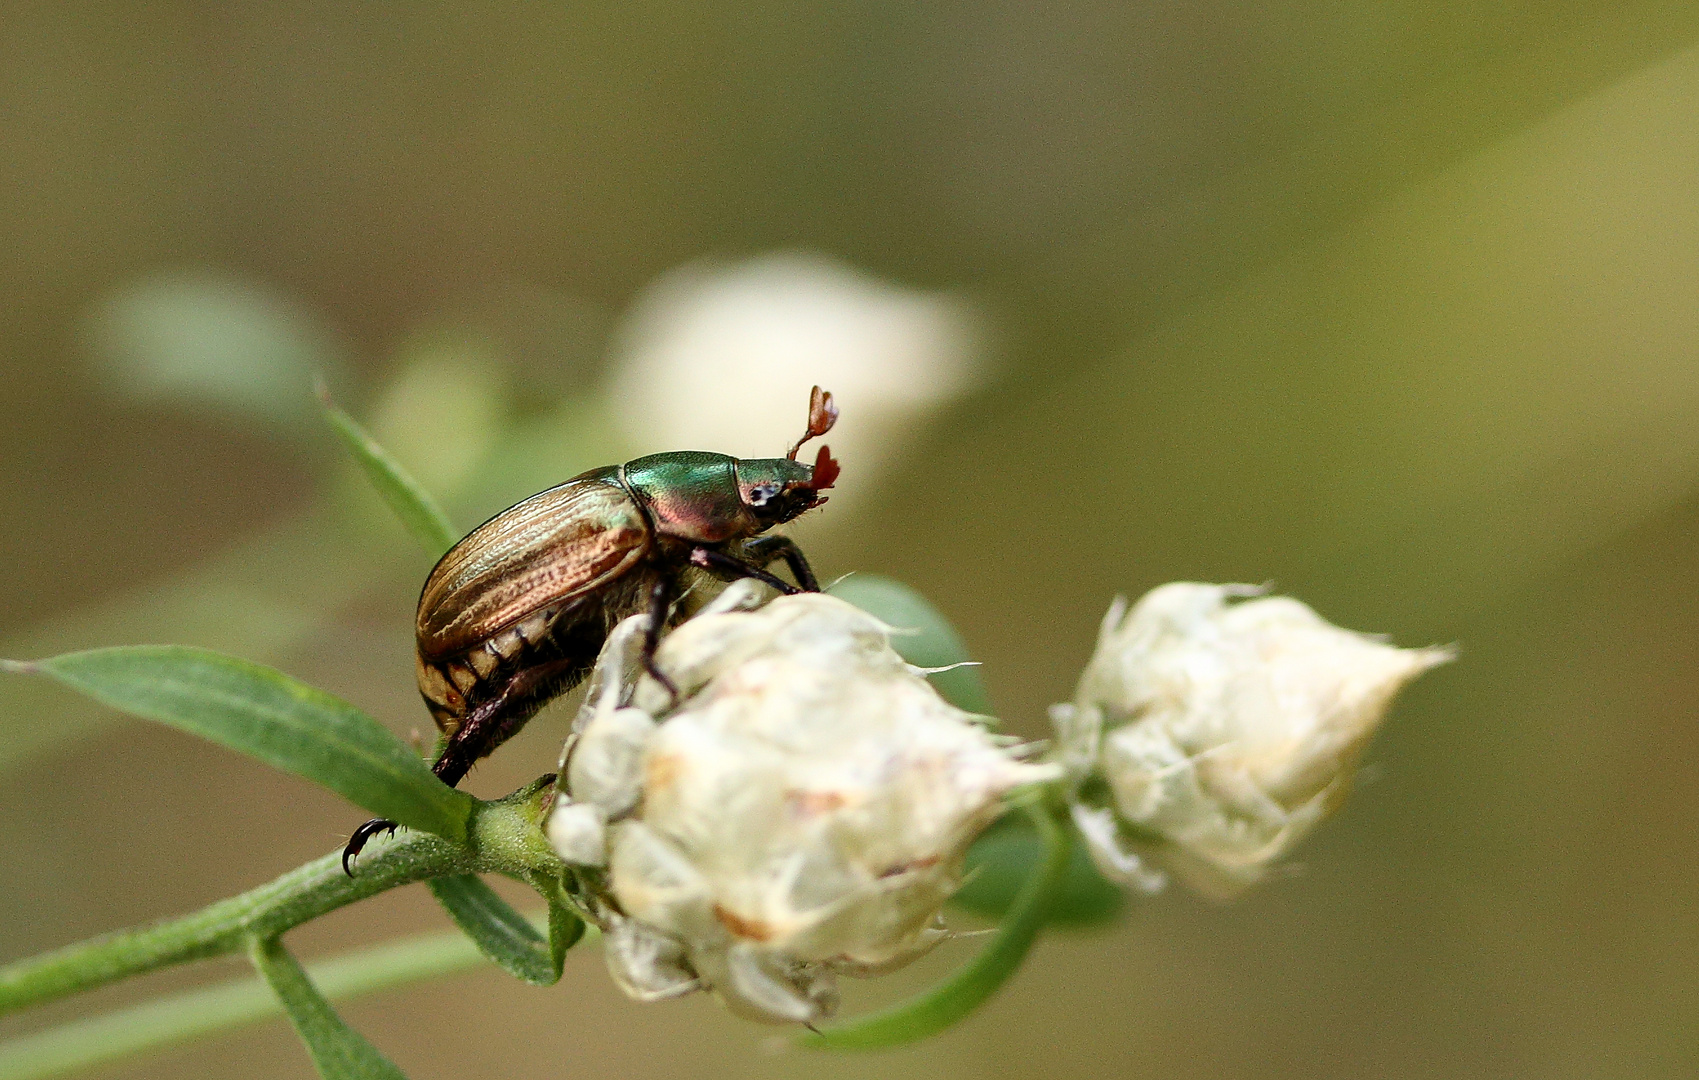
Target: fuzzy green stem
(502,838)
(153,1025)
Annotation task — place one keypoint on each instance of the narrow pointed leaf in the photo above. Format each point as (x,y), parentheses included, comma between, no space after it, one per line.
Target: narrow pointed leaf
(338,1051)
(501,933)
(410,502)
(925,637)
(270,716)
(971,986)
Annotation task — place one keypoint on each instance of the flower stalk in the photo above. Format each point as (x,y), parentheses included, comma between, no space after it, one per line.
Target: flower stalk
(502,838)
(223,1006)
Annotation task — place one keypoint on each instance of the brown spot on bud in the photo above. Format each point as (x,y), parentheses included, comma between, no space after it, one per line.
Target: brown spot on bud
(813,803)
(753,929)
(661,771)
(909,867)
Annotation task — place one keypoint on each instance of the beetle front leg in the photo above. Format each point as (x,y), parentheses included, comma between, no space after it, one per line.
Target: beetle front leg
(765,549)
(733,568)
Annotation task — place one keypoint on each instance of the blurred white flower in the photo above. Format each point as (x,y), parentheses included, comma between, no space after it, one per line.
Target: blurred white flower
(721,357)
(801,813)
(1222,732)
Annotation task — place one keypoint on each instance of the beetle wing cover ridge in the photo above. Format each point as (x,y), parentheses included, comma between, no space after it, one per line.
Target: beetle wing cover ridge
(554,546)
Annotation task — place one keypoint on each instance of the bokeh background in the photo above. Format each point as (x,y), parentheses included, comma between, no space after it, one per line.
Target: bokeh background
(1394,305)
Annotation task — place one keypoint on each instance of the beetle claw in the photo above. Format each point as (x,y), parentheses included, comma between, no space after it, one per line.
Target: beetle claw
(358,841)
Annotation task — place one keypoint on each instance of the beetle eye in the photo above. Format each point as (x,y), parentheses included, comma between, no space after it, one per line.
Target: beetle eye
(762,494)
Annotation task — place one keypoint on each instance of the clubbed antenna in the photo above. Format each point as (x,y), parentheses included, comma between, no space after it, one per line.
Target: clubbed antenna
(825,470)
(822,414)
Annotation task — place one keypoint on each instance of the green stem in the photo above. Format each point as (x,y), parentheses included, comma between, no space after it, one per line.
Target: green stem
(207,1010)
(95,1040)
(502,838)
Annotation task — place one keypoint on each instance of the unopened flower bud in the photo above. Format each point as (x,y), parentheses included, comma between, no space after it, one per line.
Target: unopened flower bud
(606,766)
(579,833)
(1222,732)
(647,965)
(802,810)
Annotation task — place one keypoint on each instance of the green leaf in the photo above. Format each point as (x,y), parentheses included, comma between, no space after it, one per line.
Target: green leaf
(501,933)
(1002,860)
(927,639)
(973,985)
(411,503)
(199,339)
(338,1051)
(268,715)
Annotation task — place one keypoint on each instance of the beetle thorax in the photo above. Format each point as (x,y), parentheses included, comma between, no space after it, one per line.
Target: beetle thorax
(691,495)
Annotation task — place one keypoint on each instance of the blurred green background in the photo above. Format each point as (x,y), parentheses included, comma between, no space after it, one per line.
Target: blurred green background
(1394,305)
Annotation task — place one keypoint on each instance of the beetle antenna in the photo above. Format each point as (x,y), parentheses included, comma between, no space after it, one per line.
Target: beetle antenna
(825,470)
(822,414)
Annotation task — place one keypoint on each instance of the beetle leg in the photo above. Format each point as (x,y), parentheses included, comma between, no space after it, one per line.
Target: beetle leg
(734,568)
(358,841)
(495,721)
(660,599)
(765,549)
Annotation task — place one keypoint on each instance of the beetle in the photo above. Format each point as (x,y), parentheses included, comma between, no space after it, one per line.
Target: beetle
(515,614)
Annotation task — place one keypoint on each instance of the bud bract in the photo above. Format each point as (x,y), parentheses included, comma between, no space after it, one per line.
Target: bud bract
(1209,736)
(800,812)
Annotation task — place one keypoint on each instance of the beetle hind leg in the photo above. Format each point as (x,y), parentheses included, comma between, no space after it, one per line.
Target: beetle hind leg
(493,722)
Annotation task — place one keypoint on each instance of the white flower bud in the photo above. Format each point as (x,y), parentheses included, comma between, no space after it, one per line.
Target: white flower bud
(1224,731)
(579,833)
(658,885)
(647,965)
(804,808)
(606,766)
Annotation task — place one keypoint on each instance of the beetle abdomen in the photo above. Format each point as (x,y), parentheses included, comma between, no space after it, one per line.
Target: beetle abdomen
(481,697)
(451,686)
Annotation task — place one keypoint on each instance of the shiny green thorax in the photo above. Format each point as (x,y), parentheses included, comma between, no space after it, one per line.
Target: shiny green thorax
(707,497)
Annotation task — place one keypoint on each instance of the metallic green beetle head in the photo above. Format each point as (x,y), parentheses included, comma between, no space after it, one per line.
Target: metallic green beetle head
(777,489)
(710,498)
